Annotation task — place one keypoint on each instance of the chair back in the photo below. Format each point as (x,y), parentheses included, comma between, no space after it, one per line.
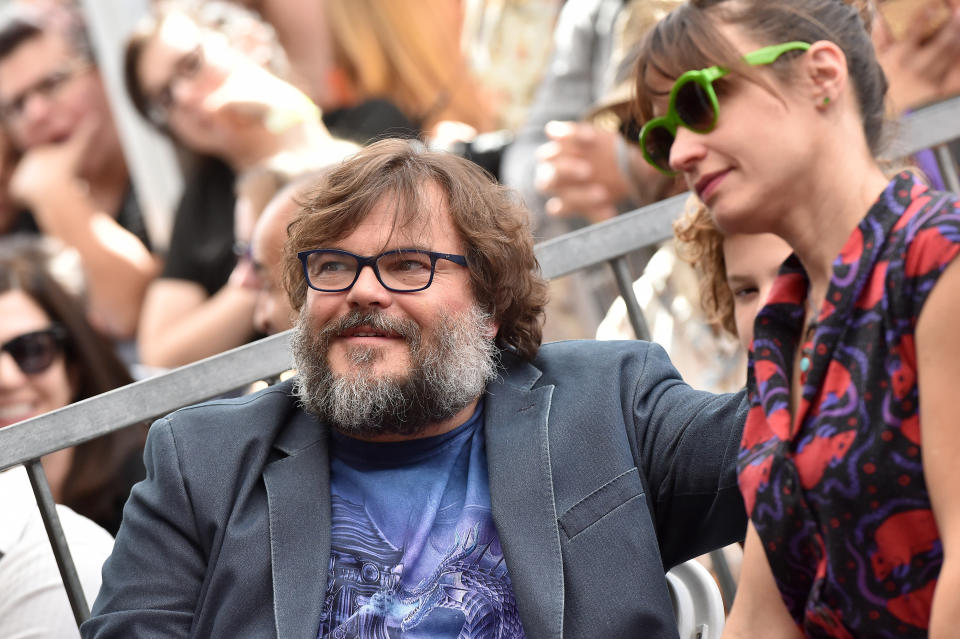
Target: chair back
(696,601)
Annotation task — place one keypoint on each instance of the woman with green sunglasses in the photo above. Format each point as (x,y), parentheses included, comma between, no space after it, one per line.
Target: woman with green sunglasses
(773,112)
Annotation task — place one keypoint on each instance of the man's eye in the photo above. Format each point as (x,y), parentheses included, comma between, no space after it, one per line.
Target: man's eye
(405,262)
(409,266)
(332,266)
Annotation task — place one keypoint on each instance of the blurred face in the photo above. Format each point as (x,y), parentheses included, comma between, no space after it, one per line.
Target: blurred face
(272,313)
(47,90)
(745,169)
(46,384)
(752,263)
(180,68)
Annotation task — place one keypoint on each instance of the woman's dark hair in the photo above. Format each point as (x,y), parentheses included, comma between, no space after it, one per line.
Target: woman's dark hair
(131,75)
(689,38)
(104,469)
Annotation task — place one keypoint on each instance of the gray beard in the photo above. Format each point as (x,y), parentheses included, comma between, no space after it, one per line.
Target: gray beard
(446,373)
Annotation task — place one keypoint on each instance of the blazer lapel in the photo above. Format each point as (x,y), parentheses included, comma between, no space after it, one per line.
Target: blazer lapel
(522,499)
(298,498)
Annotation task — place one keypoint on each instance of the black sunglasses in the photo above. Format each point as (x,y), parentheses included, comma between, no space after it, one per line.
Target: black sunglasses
(34,352)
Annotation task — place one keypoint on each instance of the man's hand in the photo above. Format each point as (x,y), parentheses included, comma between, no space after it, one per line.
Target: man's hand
(579,169)
(922,67)
(46,168)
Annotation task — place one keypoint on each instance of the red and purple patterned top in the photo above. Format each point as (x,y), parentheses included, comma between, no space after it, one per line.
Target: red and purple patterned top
(837,495)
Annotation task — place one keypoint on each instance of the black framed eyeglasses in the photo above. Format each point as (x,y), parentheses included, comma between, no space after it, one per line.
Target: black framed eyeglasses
(34,352)
(50,87)
(400,271)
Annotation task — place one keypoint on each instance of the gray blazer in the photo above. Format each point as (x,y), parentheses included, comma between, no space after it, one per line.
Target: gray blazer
(605,471)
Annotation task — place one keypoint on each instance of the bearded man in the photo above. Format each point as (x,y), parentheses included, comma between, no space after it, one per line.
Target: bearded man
(431,471)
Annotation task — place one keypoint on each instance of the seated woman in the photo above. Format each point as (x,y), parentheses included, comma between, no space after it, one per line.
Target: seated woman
(50,356)
(220,101)
(773,112)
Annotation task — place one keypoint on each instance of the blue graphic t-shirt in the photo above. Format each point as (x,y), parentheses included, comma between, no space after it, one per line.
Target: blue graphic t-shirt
(414,552)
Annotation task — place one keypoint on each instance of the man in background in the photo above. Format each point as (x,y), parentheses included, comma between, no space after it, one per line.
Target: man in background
(71,174)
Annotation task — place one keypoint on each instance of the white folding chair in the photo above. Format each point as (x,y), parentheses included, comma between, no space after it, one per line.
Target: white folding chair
(696,601)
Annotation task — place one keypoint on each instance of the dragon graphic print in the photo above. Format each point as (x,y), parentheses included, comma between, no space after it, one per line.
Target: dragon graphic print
(414,551)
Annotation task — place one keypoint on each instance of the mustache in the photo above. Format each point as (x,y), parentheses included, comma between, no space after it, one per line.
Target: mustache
(377,320)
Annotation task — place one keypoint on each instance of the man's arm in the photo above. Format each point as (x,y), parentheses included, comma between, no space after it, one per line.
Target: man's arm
(117,265)
(153,579)
(688,442)
(566,91)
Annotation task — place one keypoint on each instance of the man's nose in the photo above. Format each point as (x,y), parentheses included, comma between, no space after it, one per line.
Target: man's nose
(368,291)
(687,150)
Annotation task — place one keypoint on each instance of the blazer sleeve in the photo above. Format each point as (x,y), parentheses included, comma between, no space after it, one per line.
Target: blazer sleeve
(152,580)
(687,443)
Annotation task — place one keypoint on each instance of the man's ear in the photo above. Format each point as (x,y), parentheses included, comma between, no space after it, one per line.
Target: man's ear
(826,71)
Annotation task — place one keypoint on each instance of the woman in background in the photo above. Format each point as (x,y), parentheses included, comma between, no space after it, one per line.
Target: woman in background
(773,112)
(736,272)
(50,357)
(206,83)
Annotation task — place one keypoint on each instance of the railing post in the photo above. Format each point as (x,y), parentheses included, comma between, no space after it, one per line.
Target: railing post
(621,271)
(58,541)
(948,170)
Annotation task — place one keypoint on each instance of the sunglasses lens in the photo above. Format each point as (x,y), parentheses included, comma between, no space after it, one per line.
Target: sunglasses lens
(657,145)
(33,352)
(694,107)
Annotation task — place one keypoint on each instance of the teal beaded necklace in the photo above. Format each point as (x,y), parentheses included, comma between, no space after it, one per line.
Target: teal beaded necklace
(806,352)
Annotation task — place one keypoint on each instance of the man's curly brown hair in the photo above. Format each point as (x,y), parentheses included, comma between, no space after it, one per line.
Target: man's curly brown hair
(490,219)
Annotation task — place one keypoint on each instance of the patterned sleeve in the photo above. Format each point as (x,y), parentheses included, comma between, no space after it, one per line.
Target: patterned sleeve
(934,243)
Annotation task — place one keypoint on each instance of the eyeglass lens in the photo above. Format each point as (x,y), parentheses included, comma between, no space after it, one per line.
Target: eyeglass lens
(33,352)
(185,68)
(694,107)
(658,142)
(695,110)
(48,87)
(400,270)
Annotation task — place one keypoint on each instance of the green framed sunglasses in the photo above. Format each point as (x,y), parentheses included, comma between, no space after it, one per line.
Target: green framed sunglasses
(693,104)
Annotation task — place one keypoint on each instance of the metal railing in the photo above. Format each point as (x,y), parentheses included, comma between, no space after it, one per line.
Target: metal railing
(607,242)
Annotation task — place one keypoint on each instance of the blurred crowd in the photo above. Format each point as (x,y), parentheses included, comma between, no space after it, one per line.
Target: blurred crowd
(257,97)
